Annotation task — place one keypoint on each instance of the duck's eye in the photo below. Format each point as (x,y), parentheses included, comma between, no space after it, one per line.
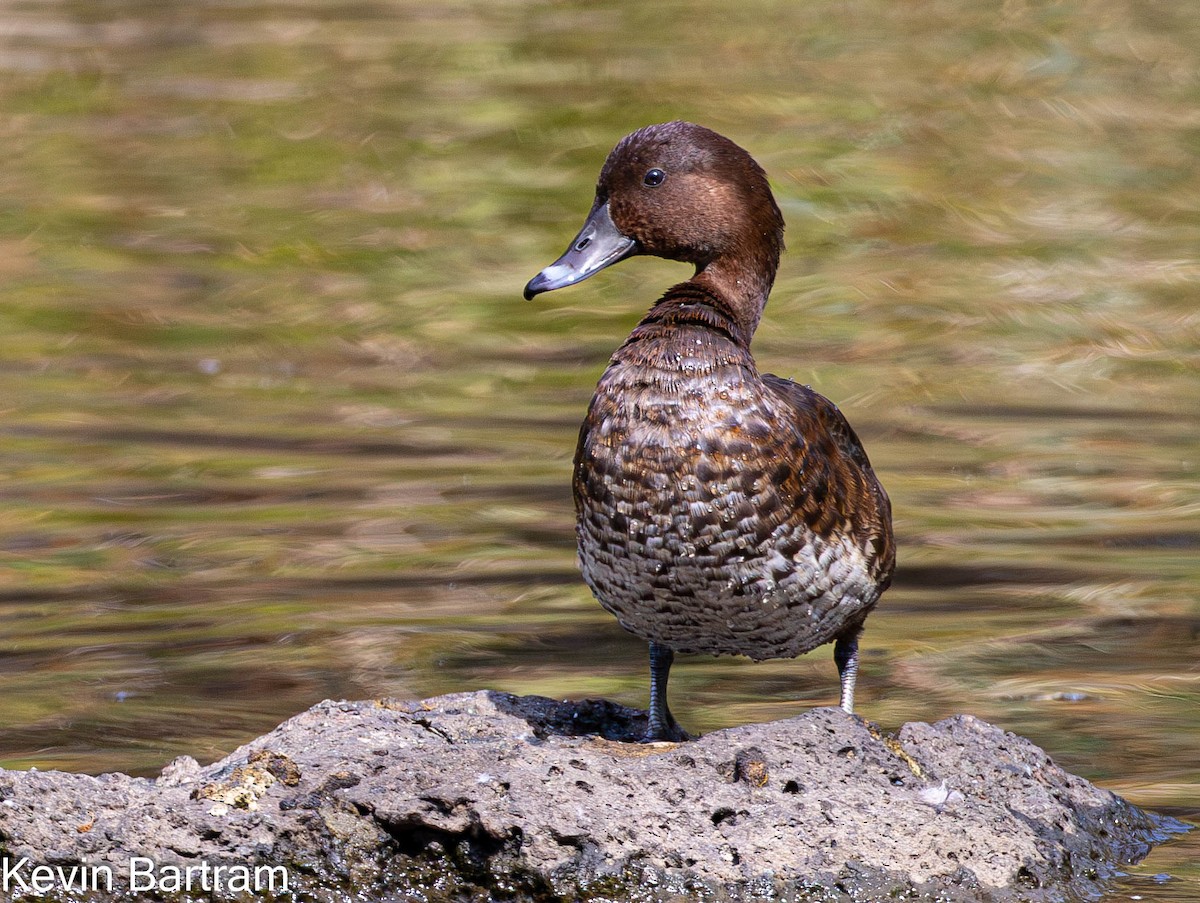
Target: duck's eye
(654,178)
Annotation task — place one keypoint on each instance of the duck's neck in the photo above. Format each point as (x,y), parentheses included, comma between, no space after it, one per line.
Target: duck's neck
(725,297)
(741,286)
(687,306)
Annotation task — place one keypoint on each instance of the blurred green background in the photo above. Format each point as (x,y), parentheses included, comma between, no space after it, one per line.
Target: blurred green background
(277,425)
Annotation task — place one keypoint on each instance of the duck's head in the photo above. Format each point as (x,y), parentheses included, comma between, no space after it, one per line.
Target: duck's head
(682,192)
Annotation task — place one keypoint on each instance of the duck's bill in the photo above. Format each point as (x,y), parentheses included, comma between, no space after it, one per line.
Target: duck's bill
(599,244)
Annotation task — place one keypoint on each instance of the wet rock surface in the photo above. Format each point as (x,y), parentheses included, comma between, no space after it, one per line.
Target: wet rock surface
(486,795)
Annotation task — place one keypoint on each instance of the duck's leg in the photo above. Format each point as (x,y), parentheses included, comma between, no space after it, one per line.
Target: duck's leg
(845,654)
(661,724)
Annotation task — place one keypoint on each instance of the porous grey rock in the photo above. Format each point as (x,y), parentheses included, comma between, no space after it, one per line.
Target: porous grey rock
(487,795)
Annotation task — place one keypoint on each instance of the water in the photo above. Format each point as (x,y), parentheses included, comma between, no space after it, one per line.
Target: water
(278,426)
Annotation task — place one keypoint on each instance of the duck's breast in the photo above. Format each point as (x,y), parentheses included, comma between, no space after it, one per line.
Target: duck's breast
(690,530)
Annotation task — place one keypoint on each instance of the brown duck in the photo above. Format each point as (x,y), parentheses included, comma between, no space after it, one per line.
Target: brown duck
(719,510)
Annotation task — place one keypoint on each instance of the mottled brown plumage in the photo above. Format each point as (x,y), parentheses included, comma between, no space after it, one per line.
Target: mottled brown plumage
(718,510)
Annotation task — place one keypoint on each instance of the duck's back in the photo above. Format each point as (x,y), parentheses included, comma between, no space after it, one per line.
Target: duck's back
(722,511)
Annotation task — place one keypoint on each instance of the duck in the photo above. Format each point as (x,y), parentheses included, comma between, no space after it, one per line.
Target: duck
(719,510)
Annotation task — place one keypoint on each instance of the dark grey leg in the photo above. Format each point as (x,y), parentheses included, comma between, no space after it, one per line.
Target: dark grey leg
(661,724)
(845,654)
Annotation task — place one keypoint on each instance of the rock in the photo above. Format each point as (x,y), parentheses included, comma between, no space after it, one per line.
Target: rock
(487,795)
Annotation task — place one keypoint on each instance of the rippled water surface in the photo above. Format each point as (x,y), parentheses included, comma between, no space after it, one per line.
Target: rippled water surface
(277,425)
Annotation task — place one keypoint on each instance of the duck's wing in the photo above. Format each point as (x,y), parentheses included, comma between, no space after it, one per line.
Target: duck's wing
(830,477)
